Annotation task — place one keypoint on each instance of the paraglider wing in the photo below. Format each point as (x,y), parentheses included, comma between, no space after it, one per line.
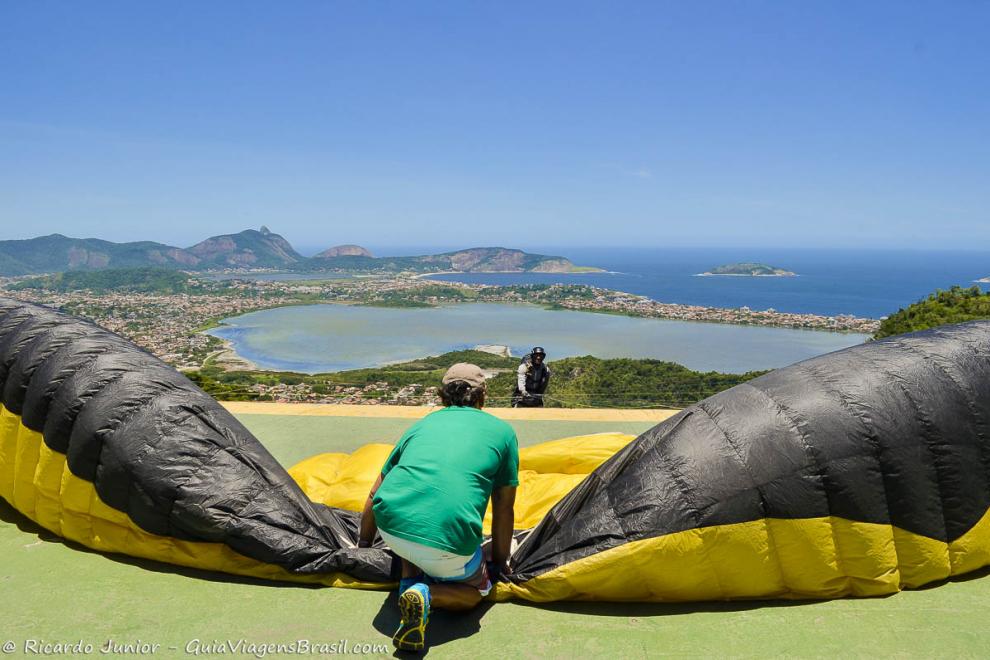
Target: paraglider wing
(854,473)
(102,443)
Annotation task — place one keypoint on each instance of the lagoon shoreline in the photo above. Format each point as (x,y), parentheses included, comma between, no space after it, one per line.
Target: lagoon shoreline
(347,337)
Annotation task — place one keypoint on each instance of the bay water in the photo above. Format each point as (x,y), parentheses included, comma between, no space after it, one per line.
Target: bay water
(867,283)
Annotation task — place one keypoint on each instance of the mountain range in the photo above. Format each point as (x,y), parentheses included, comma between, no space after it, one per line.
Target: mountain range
(251,248)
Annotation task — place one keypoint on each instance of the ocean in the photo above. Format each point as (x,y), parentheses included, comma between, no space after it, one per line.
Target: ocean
(868,283)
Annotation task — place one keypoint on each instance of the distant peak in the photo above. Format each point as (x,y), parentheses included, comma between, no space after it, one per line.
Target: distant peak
(344,251)
(265,231)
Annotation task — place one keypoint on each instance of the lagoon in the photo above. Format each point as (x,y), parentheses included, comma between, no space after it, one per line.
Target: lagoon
(331,337)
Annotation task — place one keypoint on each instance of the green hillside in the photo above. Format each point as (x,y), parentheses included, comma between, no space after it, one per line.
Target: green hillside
(588,381)
(940,308)
(136,280)
(577,382)
(56,253)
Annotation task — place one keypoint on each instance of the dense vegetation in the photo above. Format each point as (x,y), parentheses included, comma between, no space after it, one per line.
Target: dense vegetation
(426,371)
(953,306)
(577,382)
(222,390)
(625,383)
(135,280)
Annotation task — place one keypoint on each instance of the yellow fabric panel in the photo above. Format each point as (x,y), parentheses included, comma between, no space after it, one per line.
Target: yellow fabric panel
(808,558)
(971,551)
(920,559)
(868,556)
(771,558)
(25,460)
(547,472)
(742,558)
(49,494)
(536,495)
(48,484)
(576,455)
(9,423)
(316,474)
(356,474)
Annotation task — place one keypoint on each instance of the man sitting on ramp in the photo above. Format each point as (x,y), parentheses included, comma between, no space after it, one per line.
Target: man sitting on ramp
(430,498)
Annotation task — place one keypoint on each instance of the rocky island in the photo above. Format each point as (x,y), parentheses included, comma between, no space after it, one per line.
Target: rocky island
(747,269)
(344,251)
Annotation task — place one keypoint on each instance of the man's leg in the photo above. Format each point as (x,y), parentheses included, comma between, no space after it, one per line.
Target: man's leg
(466,592)
(453,596)
(411,574)
(415,601)
(446,596)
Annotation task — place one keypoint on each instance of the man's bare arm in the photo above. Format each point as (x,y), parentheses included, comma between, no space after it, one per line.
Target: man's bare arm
(368,525)
(503,520)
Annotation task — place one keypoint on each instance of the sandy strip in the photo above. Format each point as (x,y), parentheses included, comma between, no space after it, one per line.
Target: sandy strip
(415,412)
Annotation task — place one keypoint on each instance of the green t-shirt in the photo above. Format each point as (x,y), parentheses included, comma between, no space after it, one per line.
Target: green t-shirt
(440,475)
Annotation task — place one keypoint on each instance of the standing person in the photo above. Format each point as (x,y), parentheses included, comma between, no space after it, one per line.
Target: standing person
(532,379)
(430,498)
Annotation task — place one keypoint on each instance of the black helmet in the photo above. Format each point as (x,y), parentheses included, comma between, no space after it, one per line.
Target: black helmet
(538,350)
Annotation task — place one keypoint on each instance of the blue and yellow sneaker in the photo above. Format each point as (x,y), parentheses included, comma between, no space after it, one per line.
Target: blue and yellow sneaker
(414,606)
(405,583)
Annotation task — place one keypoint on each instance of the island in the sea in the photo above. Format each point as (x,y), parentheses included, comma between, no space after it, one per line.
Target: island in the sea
(747,269)
(984,279)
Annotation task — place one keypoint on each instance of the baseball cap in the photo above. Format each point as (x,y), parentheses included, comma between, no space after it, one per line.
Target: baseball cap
(469,373)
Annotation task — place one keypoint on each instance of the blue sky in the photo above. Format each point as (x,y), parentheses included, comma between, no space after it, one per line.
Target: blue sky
(467,123)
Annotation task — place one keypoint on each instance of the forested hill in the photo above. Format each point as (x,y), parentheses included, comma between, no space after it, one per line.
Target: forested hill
(57,253)
(251,249)
(940,308)
(134,280)
(577,382)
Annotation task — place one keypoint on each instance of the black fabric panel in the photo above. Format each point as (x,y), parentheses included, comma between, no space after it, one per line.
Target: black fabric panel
(47,378)
(28,358)
(159,449)
(590,503)
(846,454)
(60,429)
(18,328)
(14,341)
(782,472)
(7,305)
(893,432)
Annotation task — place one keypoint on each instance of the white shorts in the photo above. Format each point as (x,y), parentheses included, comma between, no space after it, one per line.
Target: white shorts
(441,565)
(434,562)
